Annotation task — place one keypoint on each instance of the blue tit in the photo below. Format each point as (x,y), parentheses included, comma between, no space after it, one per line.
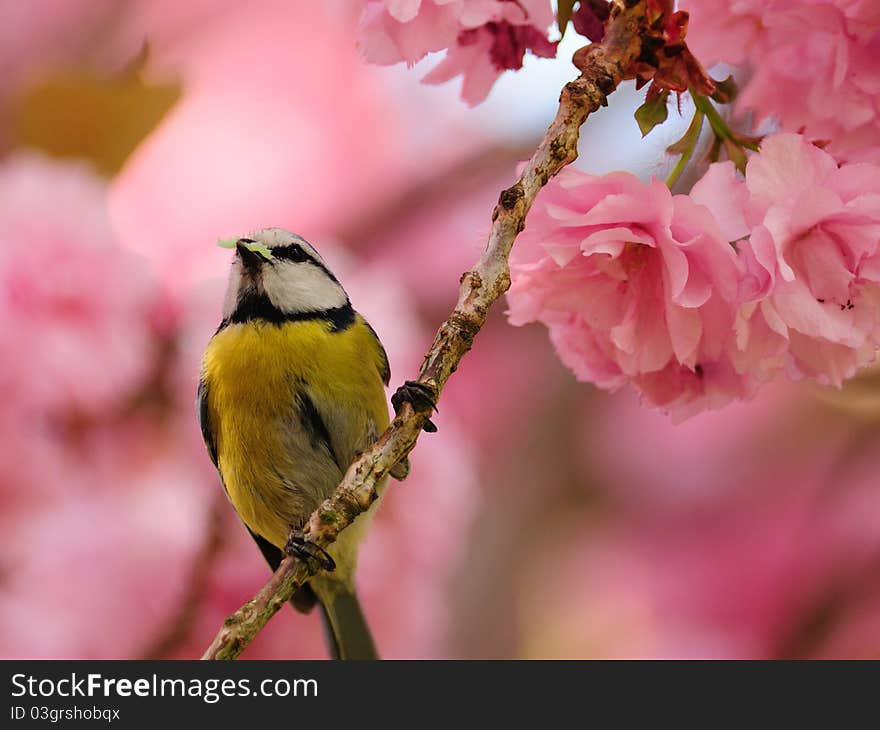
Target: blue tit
(291,390)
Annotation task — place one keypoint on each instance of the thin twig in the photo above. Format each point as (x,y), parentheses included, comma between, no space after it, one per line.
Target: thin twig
(603,65)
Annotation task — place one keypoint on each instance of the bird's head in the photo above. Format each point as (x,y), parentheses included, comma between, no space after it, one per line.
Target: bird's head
(277,274)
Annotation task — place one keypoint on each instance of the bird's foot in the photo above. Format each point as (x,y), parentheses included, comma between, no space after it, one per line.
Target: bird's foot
(420,396)
(299,547)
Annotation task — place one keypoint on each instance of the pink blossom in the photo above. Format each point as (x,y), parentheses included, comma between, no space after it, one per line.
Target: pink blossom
(75,319)
(740,578)
(699,462)
(484,37)
(636,285)
(76,328)
(812,292)
(134,535)
(814,66)
(726,30)
(406,31)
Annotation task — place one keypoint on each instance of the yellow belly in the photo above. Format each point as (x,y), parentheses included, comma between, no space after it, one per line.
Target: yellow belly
(274,470)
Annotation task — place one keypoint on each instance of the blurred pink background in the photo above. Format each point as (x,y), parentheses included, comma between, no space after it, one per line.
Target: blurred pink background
(545,519)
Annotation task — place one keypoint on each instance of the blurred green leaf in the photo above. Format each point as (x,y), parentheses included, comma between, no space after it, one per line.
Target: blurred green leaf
(689,139)
(652,113)
(736,154)
(563,14)
(685,147)
(77,113)
(713,154)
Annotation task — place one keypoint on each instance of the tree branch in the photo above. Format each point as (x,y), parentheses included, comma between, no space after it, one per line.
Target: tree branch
(604,65)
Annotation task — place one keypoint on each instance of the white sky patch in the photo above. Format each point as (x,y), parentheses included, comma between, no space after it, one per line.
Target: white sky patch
(521,105)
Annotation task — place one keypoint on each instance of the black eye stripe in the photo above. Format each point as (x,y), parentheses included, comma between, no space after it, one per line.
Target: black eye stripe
(294,252)
(297,254)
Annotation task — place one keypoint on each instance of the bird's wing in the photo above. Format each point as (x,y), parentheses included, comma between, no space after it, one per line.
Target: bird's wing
(205,420)
(315,426)
(384,368)
(342,421)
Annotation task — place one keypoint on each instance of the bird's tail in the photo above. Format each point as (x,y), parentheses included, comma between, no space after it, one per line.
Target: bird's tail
(344,624)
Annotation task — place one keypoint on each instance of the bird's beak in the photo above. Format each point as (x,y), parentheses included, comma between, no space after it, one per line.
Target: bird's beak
(251,259)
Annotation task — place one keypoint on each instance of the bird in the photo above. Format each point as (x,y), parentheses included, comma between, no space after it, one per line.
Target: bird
(291,389)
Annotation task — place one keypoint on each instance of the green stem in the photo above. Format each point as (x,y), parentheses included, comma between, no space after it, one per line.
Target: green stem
(719,126)
(692,135)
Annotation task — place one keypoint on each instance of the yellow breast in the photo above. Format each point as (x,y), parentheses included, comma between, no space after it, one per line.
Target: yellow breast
(257,374)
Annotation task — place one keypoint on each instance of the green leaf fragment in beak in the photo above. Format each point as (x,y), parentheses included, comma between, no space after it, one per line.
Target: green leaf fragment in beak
(254,246)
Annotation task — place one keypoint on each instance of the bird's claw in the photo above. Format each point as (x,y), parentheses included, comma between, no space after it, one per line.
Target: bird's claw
(299,547)
(420,396)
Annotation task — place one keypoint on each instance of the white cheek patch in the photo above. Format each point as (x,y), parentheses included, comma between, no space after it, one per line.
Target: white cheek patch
(301,287)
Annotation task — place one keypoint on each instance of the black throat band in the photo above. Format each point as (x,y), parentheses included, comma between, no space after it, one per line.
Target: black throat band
(255,306)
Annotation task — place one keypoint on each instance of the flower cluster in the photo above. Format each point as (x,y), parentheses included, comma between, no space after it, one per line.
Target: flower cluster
(72,297)
(698,299)
(484,38)
(810,233)
(801,54)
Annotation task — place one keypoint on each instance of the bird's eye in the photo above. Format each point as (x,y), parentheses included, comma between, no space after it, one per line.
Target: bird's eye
(293,253)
